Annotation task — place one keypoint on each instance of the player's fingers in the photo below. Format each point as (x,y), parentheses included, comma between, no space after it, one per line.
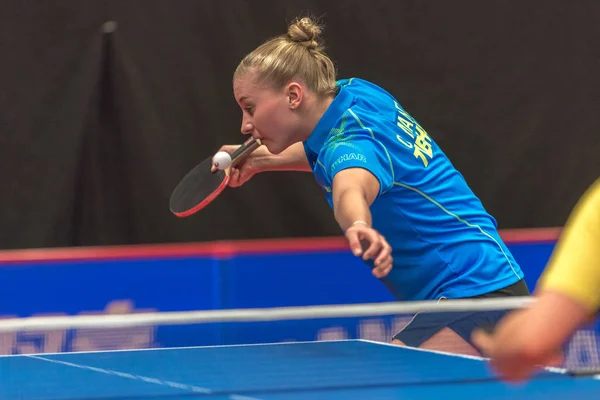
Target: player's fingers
(240,177)
(234,177)
(384,268)
(229,148)
(514,370)
(387,265)
(354,242)
(383,261)
(555,359)
(246,172)
(375,244)
(384,252)
(483,341)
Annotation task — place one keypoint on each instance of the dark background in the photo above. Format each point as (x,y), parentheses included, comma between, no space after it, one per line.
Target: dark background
(96,129)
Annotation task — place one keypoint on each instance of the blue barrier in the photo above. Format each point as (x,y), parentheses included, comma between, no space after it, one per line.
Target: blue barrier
(203,277)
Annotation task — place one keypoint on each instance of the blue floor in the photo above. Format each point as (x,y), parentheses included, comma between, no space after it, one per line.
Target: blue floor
(316,370)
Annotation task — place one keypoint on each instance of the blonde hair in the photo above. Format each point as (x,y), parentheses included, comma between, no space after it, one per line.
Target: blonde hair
(299,53)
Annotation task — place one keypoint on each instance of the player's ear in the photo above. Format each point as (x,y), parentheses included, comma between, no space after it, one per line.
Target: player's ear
(294,94)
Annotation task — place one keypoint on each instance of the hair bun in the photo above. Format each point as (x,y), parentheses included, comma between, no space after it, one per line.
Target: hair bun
(306,32)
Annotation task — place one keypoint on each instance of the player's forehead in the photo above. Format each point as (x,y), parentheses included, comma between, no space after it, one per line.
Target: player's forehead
(246,88)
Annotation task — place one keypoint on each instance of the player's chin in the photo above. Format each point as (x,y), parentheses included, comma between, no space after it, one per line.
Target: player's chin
(274,148)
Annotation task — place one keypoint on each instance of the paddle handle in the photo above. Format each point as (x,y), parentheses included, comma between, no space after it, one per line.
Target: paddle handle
(244,150)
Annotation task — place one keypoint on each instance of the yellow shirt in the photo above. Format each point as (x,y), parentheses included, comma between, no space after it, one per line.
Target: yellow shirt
(574,268)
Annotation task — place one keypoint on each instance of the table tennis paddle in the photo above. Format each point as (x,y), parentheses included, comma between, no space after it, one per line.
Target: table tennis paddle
(201,186)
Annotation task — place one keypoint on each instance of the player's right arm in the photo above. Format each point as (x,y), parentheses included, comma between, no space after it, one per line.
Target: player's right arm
(261,160)
(291,159)
(567,295)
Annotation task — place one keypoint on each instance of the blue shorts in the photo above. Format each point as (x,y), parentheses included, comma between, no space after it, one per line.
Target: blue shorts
(424,326)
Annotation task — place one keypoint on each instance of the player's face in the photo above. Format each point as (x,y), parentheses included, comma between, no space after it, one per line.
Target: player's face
(266,114)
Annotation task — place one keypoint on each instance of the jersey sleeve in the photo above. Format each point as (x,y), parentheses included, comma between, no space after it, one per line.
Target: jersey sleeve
(574,268)
(359,151)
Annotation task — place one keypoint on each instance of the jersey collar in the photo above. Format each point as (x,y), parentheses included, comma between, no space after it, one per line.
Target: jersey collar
(340,104)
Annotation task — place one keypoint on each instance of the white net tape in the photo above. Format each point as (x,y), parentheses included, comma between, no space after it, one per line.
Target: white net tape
(378,322)
(261,314)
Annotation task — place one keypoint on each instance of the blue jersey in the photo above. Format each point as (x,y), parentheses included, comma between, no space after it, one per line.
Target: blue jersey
(445,244)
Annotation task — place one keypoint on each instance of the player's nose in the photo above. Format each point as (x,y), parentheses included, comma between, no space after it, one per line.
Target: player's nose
(247,128)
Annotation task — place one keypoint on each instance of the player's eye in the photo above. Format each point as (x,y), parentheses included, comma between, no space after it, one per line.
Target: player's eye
(249,110)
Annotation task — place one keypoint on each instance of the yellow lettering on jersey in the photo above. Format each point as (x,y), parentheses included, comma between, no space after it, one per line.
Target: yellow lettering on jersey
(420,155)
(422,142)
(405,126)
(423,148)
(404,142)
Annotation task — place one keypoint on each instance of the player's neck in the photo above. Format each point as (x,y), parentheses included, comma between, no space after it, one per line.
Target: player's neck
(314,113)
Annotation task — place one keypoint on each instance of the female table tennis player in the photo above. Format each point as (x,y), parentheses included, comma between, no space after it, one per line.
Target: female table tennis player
(567,294)
(383,175)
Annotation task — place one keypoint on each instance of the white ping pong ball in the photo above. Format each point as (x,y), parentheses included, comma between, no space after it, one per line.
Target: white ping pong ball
(222,160)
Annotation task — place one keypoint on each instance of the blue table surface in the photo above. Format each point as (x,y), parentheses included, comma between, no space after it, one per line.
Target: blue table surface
(352,369)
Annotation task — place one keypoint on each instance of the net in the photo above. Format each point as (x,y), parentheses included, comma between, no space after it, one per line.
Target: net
(313,352)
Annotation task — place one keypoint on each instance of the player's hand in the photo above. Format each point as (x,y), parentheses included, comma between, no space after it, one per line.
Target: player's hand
(245,169)
(366,242)
(512,351)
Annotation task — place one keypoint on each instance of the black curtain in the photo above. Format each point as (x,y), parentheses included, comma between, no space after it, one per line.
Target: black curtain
(105,105)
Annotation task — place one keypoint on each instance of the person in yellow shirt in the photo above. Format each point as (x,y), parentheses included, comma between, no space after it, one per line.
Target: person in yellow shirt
(567,296)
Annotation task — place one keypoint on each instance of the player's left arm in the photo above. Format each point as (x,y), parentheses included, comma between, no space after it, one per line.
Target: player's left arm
(353,192)
(360,170)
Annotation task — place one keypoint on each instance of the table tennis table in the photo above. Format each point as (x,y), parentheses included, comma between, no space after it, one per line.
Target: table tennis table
(344,369)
